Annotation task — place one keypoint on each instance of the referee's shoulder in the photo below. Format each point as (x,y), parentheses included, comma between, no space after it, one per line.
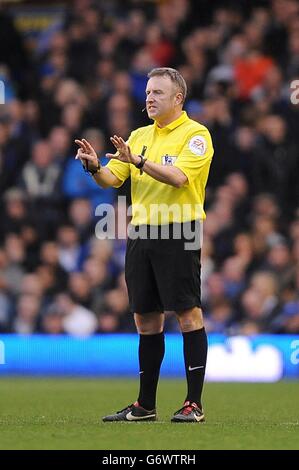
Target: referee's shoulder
(195,126)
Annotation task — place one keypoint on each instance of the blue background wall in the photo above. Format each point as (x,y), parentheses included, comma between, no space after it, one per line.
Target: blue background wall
(262,358)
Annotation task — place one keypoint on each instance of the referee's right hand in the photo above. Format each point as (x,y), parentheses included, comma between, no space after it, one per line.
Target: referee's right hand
(87,154)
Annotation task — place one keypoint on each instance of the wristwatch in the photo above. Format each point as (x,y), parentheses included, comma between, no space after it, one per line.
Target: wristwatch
(141,163)
(93,171)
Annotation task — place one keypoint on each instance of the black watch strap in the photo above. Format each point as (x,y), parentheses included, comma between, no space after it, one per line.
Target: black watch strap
(91,171)
(141,163)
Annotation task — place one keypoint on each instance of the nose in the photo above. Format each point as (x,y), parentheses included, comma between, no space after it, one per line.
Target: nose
(149,101)
(149,98)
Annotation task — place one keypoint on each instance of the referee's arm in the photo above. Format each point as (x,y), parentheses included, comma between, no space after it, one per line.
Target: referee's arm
(105,178)
(165,174)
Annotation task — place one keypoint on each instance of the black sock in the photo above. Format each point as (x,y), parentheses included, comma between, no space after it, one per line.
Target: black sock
(151,353)
(195,356)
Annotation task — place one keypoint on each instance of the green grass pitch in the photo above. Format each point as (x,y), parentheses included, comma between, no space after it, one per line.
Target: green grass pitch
(65,414)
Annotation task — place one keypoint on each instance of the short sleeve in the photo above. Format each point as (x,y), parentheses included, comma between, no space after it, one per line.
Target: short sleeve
(196,154)
(121,169)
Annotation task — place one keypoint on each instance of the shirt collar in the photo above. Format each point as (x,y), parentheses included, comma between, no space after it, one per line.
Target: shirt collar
(183,117)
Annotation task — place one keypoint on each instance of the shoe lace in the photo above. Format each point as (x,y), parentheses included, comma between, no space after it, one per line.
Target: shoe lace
(129,407)
(187,408)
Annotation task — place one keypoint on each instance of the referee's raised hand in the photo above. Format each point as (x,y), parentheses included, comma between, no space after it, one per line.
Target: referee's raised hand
(87,155)
(123,153)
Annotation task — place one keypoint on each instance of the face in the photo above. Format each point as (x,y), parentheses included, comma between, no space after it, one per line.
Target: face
(162,97)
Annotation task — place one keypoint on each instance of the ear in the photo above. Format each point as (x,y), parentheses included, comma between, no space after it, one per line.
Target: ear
(179,98)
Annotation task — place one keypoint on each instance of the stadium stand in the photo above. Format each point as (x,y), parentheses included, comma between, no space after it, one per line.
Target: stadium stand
(85,76)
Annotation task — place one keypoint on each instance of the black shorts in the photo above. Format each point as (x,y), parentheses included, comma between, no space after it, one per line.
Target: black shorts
(161,275)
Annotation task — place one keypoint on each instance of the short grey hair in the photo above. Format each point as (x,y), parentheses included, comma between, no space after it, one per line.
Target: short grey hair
(174,76)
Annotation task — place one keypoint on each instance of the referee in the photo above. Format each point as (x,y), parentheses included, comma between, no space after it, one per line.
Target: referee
(168,163)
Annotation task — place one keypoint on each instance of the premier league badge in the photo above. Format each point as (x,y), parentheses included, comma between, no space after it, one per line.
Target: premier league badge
(168,160)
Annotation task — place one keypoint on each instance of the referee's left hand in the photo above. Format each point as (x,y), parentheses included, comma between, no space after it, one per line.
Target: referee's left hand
(123,153)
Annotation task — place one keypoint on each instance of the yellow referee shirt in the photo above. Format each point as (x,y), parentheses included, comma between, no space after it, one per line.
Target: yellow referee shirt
(185,144)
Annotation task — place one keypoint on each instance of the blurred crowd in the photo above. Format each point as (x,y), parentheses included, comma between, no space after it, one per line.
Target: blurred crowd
(85,77)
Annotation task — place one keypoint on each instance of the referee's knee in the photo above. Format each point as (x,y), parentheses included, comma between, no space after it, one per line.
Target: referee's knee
(190,320)
(149,323)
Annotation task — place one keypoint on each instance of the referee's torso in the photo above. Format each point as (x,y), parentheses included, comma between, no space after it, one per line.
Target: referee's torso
(185,144)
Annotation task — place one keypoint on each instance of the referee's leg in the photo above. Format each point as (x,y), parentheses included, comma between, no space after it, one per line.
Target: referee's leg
(195,357)
(151,352)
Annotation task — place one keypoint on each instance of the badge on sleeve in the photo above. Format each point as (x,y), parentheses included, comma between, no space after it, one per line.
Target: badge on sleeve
(168,159)
(198,145)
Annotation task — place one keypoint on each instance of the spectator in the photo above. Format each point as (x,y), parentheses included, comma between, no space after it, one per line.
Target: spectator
(69,249)
(52,321)
(77,320)
(27,312)
(40,176)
